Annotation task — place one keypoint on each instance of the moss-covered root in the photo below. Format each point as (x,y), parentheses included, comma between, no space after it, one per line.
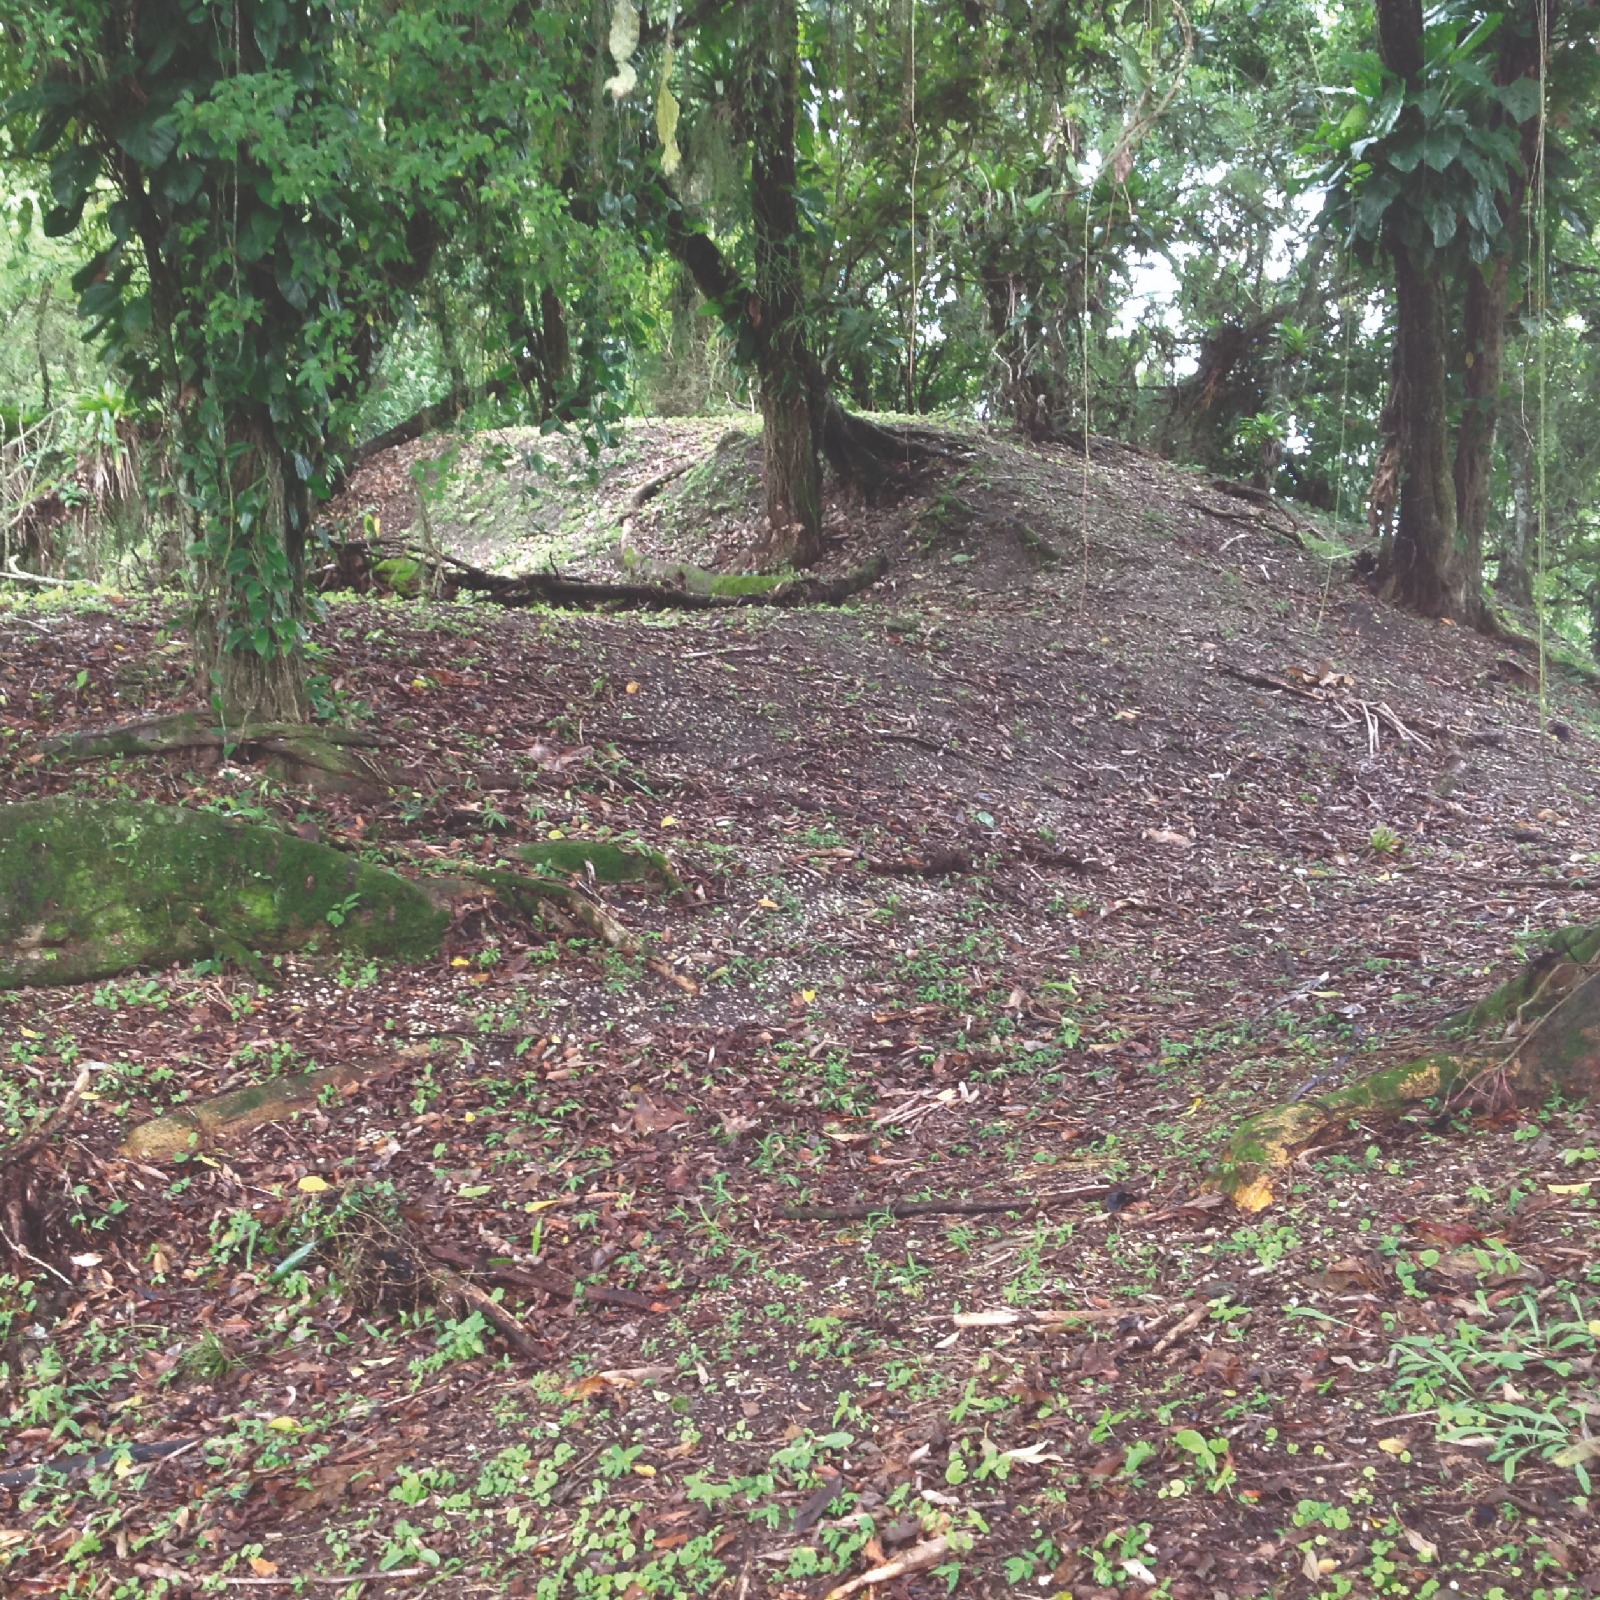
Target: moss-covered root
(1540,1036)
(222,1120)
(329,759)
(534,896)
(608,861)
(1262,1147)
(93,888)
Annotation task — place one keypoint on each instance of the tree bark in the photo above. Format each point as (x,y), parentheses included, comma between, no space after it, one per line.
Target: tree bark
(1419,567)
(783,358)
(1422,571)
(1484,324)
(1484,330)
(1514,578)
(248,621)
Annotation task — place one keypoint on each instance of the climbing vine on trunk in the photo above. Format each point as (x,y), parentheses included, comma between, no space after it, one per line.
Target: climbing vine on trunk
(267,182)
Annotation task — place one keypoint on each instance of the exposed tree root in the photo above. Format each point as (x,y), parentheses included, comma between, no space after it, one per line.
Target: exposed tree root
(89,889)
(1536,1036)
(323,757)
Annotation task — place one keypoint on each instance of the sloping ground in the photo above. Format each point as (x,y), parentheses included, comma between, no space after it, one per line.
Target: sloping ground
(1015,885)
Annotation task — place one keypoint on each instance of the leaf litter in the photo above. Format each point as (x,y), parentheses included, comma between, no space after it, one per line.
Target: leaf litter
(1004,887)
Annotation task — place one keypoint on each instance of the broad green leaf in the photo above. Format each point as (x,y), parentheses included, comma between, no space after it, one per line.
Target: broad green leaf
(1521,98)
(1405,157)
(150,140)
(1440,146)
(1442,220)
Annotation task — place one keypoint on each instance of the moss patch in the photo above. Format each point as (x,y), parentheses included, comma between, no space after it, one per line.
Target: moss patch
(611,863)
(92,888)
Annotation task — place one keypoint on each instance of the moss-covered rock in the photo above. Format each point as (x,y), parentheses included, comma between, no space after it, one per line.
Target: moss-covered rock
(92,888)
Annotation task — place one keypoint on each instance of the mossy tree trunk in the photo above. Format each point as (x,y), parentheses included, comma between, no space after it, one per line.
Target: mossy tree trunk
(250,616)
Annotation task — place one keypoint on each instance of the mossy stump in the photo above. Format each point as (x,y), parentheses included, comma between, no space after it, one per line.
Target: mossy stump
(1536,1036)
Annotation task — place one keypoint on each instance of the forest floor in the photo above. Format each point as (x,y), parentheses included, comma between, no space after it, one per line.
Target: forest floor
(1016,883)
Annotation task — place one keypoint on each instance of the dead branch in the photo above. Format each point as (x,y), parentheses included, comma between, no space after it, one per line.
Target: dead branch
(861,1210)
(48,1126)
(72,1466)
(490,1309)
(551,589)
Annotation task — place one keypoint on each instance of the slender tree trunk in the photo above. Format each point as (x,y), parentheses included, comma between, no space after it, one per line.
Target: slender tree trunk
(1514,579)
(1419,567)
(1484,326)
(789,410)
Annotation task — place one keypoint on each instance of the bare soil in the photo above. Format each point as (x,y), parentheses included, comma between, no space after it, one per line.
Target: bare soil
(1111,816)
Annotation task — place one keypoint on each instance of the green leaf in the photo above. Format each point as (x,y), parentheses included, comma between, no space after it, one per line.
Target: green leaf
(181,180)
(136,319)
(72,175)
(1373,206)
(258,233)
(1405,157)
(61,220)
(151,139)
(1443,220)
(1440,146)
(1521,98)
(1386,109)
(1483,213)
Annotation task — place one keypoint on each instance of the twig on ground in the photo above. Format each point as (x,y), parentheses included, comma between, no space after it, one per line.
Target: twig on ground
(45,1130)
(860,1210)
(1178,1330)
(337,1580)
(917,1559)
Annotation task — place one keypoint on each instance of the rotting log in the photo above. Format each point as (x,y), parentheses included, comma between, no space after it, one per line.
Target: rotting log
(449,576)
(93,888)
(221,1120)
(1535,1036)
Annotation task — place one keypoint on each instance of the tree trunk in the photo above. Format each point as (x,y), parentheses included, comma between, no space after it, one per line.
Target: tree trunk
(1484,329)
(1487,303)
(1422,571)
(249,621)
(789,410)
(1514,579)
(1418,567)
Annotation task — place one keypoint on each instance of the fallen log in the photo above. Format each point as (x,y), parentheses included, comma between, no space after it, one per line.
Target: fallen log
(727,592)
(219,1122)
